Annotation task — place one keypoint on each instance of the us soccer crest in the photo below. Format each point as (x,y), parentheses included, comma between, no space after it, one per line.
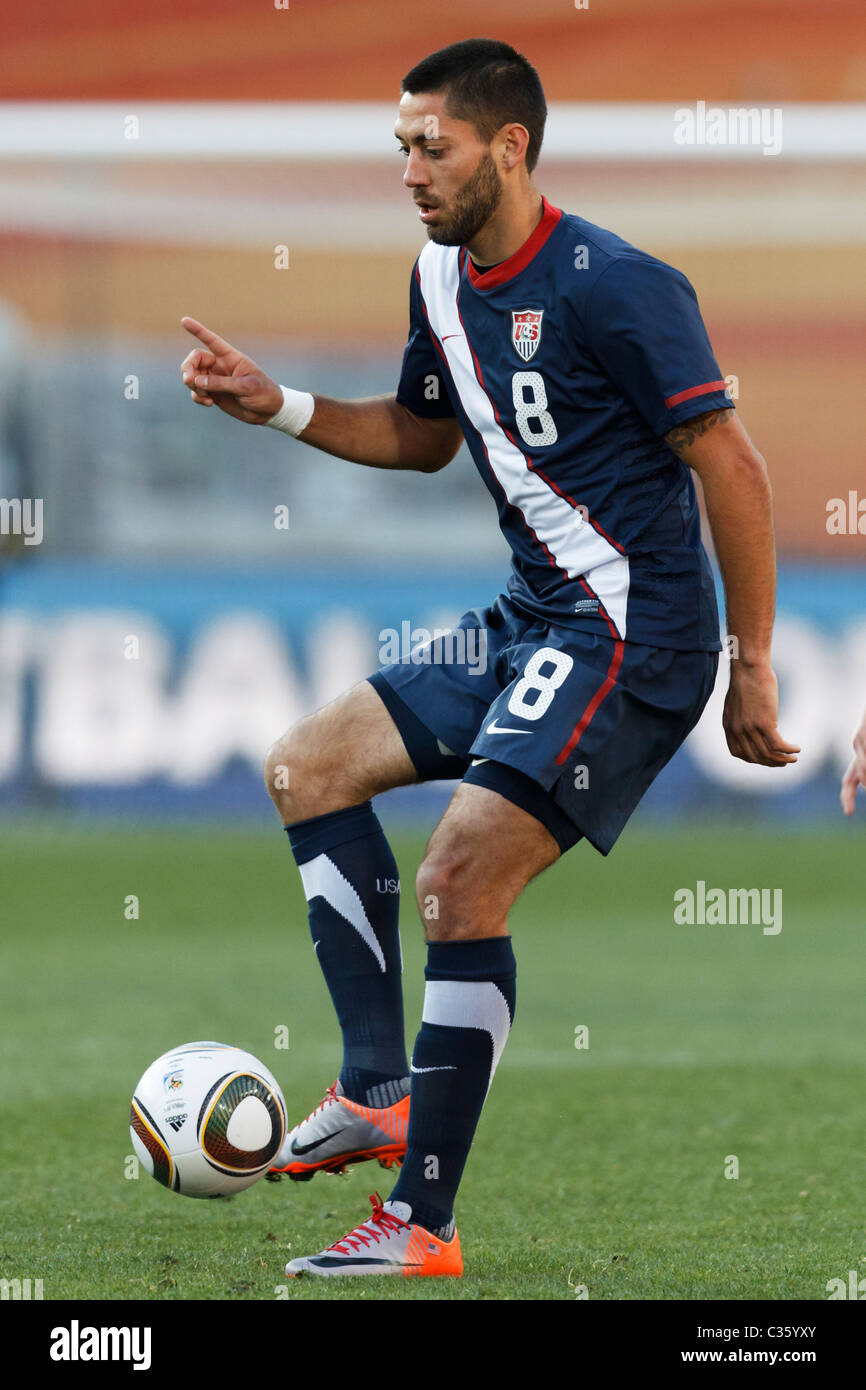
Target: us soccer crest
(526,331)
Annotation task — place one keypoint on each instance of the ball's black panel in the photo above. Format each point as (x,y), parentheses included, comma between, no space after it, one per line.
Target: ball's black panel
(206,1102)
(220,1104)
(143,1124)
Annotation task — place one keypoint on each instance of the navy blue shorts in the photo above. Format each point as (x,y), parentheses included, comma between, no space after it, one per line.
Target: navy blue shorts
(570,725)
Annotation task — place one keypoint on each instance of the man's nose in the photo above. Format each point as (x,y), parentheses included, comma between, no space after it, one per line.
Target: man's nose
(415,173)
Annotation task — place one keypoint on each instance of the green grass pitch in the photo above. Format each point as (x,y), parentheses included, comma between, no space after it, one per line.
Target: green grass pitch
(601,1166)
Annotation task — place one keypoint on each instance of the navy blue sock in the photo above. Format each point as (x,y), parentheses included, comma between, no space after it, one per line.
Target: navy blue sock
(353,890)
(468,1011)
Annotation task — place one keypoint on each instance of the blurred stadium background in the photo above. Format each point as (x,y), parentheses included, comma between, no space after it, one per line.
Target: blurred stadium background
(150,163)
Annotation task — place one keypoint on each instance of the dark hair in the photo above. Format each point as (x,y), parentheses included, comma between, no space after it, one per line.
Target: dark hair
(488,83)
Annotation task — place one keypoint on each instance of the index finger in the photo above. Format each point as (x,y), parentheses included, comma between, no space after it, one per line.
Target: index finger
(207,336)
(776,746)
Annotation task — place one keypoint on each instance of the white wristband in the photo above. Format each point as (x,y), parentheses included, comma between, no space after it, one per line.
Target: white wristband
(296,412)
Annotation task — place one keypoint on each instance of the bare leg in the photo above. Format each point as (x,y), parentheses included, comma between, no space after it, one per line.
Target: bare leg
(321,776)
(340,756)
(481,856)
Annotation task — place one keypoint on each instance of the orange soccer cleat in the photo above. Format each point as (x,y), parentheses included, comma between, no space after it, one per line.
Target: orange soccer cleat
(388,1242)
(339,1132)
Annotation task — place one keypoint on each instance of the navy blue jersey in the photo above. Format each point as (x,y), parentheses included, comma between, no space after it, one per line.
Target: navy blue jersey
(566,365)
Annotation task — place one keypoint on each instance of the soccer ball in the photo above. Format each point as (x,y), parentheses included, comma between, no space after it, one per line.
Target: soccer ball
(207,1119)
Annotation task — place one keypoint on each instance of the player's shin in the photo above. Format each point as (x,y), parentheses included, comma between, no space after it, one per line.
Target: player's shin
(468,1011)
(353,891)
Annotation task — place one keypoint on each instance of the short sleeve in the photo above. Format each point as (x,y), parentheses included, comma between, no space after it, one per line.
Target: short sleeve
(645,328)
(422,387)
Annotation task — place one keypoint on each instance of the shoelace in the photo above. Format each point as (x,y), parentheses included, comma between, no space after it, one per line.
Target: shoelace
(385,1221)
(328,1099)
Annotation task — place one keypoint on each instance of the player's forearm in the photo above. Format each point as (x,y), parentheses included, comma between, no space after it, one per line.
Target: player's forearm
(740,512)
(377,432)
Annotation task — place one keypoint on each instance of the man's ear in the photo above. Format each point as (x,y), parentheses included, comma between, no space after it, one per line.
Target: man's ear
(515,143)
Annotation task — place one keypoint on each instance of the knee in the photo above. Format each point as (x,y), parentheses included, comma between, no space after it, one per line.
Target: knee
(289,775)
(448,901)
(439,876)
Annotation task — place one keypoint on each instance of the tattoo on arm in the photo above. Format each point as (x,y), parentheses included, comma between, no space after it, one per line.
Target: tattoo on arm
(684,435)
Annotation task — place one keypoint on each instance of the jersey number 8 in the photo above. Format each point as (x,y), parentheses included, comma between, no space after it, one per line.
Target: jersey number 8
(542,687)
(533,420)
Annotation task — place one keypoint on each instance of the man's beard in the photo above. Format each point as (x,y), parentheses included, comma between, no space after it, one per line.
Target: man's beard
(474,205)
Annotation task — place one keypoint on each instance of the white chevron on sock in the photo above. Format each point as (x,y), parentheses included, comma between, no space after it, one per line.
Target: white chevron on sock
(322,879)
(470,1004)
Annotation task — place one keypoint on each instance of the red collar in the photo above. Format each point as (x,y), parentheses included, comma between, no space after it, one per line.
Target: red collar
(506,270)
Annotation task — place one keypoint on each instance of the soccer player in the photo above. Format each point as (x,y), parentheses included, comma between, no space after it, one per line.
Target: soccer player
(579,372)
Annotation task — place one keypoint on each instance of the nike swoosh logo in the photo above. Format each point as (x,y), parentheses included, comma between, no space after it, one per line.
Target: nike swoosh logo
(338,1262)
(495,728)
(299,1149)
(418,1070)
(446,336)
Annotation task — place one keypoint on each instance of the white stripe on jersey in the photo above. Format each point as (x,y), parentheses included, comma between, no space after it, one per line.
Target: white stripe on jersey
(577,548)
